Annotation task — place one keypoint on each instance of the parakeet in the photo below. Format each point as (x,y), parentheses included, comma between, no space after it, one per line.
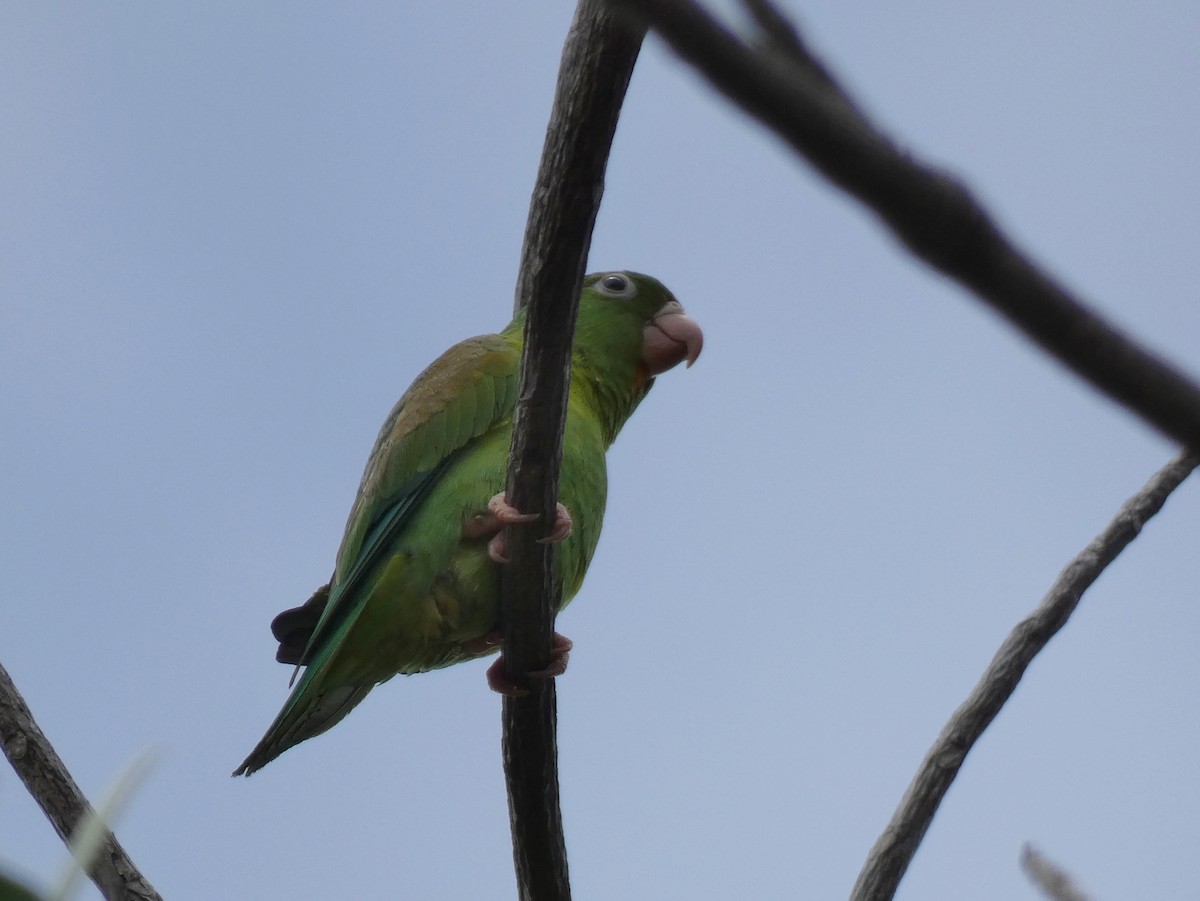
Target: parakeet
(416,582)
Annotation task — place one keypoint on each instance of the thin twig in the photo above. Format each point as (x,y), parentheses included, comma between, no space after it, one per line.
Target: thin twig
(47,779)
(597,62)
(1055,883)
(895,848)
(780,82)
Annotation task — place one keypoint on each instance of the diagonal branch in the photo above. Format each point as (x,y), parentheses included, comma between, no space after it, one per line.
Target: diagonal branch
(47,779)
(781,83)
(894,850)
(597,62)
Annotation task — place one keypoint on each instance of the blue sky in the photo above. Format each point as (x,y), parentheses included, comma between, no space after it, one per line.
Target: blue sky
(232,235)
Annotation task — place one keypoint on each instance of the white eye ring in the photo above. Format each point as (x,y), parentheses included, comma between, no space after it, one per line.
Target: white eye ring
(616,284)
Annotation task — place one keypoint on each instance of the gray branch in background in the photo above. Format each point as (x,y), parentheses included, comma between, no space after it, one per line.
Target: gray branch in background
(1050,878)
(47,779)
(781,83)
(778,80)
(894,850)
(597,63)
(775,78)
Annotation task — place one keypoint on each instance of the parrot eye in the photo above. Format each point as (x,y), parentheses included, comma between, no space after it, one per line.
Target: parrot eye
(616,285)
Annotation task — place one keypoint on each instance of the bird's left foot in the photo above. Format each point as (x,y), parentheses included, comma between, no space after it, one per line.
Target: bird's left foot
(499,681)
(500,514)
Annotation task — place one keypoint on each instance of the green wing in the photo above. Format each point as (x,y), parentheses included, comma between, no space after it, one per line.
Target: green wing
(458,398)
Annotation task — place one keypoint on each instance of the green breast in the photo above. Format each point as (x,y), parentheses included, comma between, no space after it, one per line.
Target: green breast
(434,591)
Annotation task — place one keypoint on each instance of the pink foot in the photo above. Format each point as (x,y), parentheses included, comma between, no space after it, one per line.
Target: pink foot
(563,527)
(498,680)
(500,514)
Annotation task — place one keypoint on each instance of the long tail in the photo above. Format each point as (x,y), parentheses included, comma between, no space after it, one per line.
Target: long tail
(306,713)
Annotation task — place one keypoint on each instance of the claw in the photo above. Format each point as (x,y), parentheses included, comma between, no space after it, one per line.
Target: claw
(500,682)
(562,526)
(501,513)
(506,513)
(498,549)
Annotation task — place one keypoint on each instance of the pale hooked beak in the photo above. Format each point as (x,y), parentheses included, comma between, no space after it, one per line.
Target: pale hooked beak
(670,338)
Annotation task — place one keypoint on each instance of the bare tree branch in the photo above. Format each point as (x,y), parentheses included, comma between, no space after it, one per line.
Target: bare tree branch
(782,84)
(47,779)
(597,62)
(894,850)
(1053,881)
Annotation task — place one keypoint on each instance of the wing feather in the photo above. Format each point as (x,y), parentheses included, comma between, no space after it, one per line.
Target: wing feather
(460,396)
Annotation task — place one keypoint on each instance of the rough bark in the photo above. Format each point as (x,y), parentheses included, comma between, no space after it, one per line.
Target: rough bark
(47,779)
(597,62)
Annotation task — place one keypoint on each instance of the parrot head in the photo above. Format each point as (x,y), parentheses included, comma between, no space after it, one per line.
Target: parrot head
(630,328)
(638,312)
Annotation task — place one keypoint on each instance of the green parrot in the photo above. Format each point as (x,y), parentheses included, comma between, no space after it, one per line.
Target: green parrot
(416,584)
